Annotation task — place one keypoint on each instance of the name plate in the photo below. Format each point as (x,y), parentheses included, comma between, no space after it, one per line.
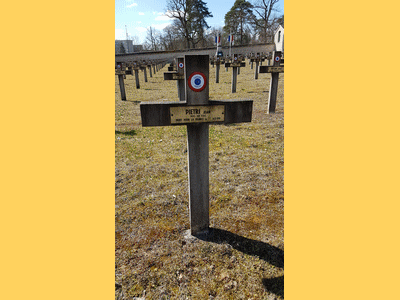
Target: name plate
(270,69)
(275,70)
(197,114)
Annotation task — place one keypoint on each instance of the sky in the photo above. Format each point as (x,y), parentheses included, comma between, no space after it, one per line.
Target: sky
(138,15)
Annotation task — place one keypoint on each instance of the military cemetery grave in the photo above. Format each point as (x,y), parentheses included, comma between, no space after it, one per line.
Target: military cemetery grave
(143,67)
(275,69)
(178,75)
(217,61)
(132,67)
(243,254)
(235,64)
(258,59)
(120,71)
(197,113)
(136,69)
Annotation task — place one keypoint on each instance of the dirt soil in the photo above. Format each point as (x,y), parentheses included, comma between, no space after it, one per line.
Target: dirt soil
(242,257)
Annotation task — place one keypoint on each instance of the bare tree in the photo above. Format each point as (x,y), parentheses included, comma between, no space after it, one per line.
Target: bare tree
(151,38)
(263,10)
(212,33)
(134,39)
(171,38)
(177,9)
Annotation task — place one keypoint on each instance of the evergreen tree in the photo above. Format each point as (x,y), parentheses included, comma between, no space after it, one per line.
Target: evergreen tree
(122,48)
(190,17)
(239,19)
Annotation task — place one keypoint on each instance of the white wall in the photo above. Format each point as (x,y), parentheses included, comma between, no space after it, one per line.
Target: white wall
(278,39)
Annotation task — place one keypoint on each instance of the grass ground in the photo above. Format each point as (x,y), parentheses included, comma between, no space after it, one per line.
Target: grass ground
(243,258)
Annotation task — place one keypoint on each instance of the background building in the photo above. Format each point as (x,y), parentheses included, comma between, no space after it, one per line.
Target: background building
(278,39)
(126,46)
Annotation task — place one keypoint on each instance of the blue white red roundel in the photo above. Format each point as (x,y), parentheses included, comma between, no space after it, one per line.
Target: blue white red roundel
(278,58)
(197,81)
(180,65)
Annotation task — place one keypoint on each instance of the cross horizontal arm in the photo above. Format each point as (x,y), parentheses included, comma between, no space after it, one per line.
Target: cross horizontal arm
(162,113)
(173,75)
(235,64)
(270,69)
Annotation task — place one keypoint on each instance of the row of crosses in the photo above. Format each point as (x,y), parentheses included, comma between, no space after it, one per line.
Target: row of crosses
(129,68)
(176,72)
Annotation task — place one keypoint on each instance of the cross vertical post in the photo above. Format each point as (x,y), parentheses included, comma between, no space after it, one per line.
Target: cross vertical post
(251,61)
(180,83)
(122,87)
(239,60)
(275,69)
(197,139)
(120,71)
(273,88)
(149,66)
(143,67)
(257,63)
(235,64)
(234,79)
(178,75)
(218,64)
(269,57)
(257,59)
(262,57)
(136,68)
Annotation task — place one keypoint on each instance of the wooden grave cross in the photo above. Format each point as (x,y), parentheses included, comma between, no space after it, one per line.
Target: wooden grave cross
(226,60)
(197,112)
(136,68)
(149,66)
(179,76)
(235,64)
(171,67)
(268,57)
(250,56)
(143,67)
(275,69)
(217,61)
(212,61)
(120,70)
(257,59)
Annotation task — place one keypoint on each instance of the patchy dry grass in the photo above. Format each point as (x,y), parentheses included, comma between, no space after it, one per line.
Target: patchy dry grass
(243,257)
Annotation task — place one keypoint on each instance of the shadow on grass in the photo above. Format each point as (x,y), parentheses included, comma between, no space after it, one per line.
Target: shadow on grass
(274,285)
(128,133)
(271,254)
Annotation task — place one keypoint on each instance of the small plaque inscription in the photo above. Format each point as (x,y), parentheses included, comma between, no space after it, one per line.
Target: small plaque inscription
(275,69)
(197,114)
(270,69)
